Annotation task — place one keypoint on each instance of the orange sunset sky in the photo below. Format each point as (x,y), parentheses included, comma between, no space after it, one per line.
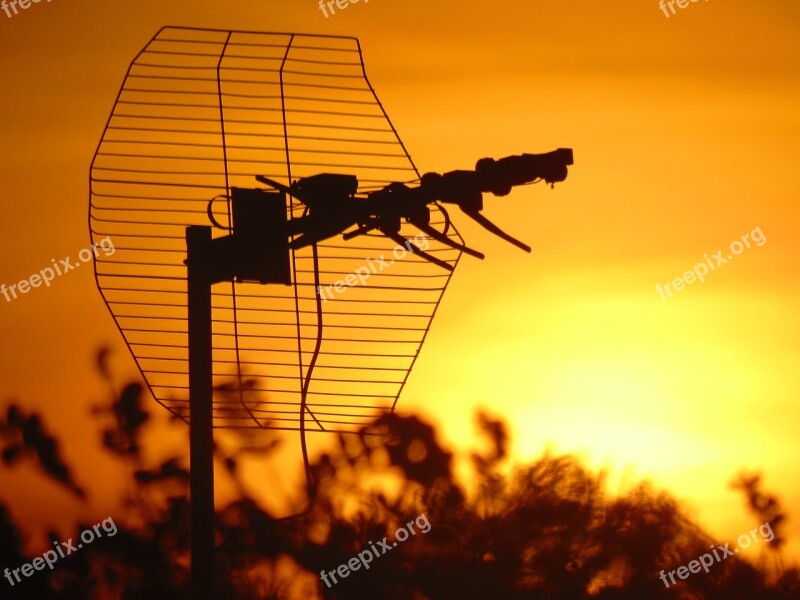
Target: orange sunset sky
(685,131)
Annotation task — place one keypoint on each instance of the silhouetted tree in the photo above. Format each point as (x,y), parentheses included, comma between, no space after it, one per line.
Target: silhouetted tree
(545,530)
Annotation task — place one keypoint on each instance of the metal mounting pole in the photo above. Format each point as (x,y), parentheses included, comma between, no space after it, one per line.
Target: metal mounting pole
(201,433)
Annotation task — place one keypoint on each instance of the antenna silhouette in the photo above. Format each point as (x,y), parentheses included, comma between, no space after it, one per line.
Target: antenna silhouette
(214,276)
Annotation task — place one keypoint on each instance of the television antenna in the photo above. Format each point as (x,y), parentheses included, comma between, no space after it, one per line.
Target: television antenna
(215,278)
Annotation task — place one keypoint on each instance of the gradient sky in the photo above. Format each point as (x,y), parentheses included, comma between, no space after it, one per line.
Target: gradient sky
(685,131)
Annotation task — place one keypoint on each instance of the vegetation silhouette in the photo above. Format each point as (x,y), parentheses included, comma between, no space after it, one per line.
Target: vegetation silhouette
(541,531)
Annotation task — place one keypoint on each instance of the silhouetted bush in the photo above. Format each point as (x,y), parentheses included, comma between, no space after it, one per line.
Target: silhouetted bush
(546,531)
